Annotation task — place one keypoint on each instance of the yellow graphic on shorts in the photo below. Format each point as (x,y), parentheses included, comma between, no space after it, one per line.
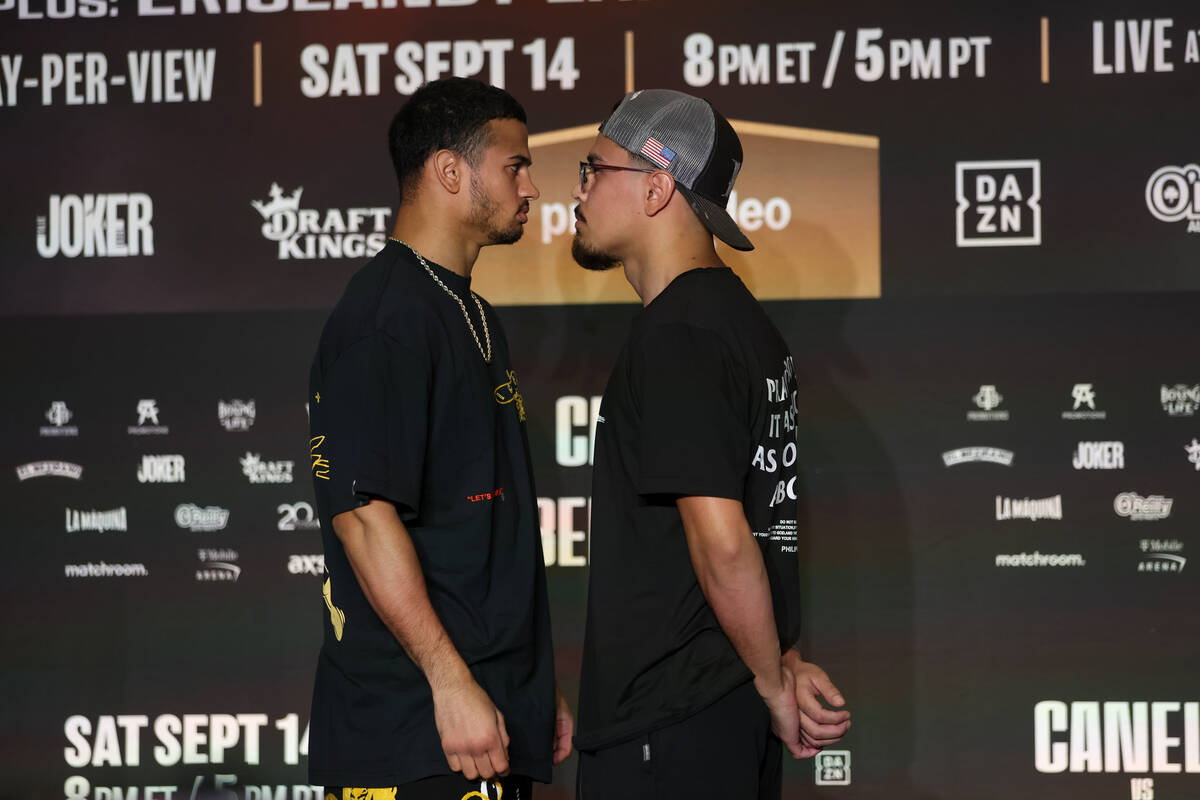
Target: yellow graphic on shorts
(510,392)
(366,794)
(320,464)
(482,794)
(337,617)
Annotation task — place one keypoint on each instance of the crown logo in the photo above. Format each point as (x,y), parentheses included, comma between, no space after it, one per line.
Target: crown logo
(279,204)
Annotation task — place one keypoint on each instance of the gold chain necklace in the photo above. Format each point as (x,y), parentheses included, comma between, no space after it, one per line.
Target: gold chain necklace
(487,355)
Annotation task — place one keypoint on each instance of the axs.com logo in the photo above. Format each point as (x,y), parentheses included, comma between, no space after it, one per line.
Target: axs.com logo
(1173,195)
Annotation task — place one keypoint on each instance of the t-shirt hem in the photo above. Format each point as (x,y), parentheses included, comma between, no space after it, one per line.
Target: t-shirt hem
(407,772)
(674,486)
(616,734)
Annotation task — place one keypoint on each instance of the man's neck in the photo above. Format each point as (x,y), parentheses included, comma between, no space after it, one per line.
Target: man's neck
(651,272)
(436,242)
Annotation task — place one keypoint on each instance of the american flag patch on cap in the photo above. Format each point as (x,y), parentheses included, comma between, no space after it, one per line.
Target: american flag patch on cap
(657,152)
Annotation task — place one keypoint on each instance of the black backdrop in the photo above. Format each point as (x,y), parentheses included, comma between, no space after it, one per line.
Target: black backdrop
(984,654)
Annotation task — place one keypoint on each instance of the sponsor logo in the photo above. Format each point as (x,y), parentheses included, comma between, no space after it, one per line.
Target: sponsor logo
(1099,455)
(1025,508)
(1193,451)
(147,424)
(306,233)
(998,203)
(1138,737)
(987,399)
(216,565)
(1038,559)
(99,521)
(1180,400)
(1161,555)
(194,518)
(1084,405)
(103,569)
(58,415)
(96,226)
(236,415)
(1173,195)
(1136,508)
(259,471)
(297,517)
(55,469)
(833,768)
(161,469)
(991,455)
(306,565)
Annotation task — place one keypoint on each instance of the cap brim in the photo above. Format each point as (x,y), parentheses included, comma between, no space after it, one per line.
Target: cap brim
(716,219)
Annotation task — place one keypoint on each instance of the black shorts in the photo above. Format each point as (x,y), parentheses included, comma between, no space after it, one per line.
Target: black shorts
(724,751)
(442,787)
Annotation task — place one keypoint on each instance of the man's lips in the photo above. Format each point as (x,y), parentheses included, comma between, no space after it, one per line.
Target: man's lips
(523,213)
(579,216)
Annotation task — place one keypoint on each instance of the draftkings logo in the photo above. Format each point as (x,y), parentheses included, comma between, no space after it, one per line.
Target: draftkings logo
(999,203)
(1173,195)
(306,233)
(1180,400)
(161,469)
(987,399)
(306,564)
(96,226)
(259,471)
(216,565)
(1161,555)
(116,519)
(236,415)
(833,768)
(58,415)
(1083,406)
(147,424)
(1136,508)
(192,517)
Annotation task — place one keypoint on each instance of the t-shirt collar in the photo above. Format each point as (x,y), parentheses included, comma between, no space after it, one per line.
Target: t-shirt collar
(457,283)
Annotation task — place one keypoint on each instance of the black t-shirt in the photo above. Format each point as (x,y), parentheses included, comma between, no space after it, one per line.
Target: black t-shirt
(700,402)
(403,407)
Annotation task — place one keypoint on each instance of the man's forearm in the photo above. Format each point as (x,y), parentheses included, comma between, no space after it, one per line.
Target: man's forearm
(386,565)
(729,566)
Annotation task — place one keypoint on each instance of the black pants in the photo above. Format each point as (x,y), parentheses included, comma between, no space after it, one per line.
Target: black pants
(443,787)
(725,752)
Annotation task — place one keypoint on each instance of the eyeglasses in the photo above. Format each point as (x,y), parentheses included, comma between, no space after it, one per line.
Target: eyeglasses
(586,167)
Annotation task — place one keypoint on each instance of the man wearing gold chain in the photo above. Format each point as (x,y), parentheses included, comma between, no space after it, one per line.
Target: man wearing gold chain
(436,676)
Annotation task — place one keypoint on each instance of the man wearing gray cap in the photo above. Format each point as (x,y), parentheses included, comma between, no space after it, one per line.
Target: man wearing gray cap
(691,675)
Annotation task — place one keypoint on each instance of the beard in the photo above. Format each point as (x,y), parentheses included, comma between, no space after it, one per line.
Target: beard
(590,258)
(484,211)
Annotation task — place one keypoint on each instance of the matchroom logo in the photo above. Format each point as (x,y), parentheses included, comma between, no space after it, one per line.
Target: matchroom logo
(999,203)
(808,200)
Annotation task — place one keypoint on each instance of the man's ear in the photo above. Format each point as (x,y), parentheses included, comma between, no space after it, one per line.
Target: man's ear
(449,170)
(660,188)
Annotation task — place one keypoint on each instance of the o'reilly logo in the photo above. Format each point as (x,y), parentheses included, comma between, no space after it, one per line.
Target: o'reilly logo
(96,226)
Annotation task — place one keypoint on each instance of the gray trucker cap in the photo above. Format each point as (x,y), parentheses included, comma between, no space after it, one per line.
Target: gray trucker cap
(686,137)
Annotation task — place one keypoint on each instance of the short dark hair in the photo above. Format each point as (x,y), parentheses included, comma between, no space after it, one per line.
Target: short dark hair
(448,114)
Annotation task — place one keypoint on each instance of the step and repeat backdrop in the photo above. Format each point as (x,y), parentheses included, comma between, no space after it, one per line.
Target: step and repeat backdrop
(978,228)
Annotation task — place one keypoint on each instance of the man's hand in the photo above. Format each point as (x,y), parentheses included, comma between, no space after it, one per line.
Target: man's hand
(564,728)
(780,698)
(819,726)
(471,729)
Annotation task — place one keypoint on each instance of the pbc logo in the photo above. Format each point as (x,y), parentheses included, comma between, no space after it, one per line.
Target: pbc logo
(999,203)
(1173,195)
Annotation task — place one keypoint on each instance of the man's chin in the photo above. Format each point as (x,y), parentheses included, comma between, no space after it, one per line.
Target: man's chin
(592,259)
(509,236)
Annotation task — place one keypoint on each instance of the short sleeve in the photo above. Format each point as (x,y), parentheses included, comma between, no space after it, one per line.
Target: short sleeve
(694,431)
(369,427)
